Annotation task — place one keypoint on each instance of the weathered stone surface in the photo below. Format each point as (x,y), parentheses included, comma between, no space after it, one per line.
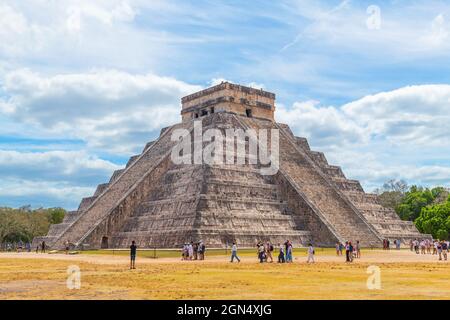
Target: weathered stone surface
(160,204)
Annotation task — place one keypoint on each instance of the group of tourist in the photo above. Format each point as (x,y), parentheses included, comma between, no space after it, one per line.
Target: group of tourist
(265,252)
(351,251)
(428,246)
(193,251)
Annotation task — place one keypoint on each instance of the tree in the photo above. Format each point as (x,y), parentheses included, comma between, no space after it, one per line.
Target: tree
(24,224)
(435,219)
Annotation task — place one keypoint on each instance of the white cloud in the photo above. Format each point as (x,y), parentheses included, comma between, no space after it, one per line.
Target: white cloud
(108,109)
(76,167)
(401,133)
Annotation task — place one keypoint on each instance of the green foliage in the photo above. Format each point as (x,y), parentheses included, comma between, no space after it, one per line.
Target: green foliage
(415,200)
(24,224)
(435,219)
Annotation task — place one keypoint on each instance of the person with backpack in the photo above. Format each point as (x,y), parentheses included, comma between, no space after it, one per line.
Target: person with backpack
(311,253)
(234,253)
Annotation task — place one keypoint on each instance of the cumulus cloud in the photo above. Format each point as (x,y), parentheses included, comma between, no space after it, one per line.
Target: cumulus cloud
(399,133)
(414,114)
(75,167)
(108,109)
(53,178)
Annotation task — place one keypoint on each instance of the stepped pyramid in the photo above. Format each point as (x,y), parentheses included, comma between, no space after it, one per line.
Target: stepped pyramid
(159,203)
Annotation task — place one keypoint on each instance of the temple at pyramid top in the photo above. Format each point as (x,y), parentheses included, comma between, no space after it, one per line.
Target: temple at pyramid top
(232,98)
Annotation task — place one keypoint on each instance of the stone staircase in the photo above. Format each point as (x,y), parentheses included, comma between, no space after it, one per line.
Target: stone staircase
(326,199)
(95,209)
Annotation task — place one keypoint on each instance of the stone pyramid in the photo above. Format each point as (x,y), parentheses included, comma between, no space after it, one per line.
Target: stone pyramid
(159,203)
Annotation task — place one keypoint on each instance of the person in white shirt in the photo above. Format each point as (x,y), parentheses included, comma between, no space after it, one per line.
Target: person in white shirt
(310,254)
(234,253)
(190,251)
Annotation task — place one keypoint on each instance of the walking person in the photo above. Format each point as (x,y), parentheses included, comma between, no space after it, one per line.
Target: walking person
(337,246)
(439,250)
(281,254)
(67,246)
(311,253)
(133,248)
(43,247)
(234,253)
(201,251)
(191,251)
(351,249)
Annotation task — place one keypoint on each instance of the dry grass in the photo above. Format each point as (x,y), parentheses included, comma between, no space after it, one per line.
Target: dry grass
(107,277)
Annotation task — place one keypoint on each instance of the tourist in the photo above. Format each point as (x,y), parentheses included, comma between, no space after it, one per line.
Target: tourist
(191,251)
(67,246)
(388,244)
(337,246)
(133,248)
(411,245)
(184,252)
(43,247)
(444,247)
(398,244)
(416,246)
(289,257)
(269,250)
(358,249)
(261,252)
(234,253)
(428,245)
(422,247)
(201,251)
(439,250)
(347,251)
(351,249)
(341,248)
(311,253)
(281,254)
(435,245)
(195,248)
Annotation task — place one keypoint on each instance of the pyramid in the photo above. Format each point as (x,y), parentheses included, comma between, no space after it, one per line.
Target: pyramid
(162,204)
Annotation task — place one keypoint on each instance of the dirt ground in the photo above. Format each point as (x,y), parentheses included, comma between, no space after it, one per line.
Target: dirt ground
(403,274)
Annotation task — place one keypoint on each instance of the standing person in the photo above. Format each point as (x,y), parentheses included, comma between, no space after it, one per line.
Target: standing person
(289,252)
(191,251)
(444,246)
(261,252)
(200,251)
(358,249)
(439,250)
(411,245)
(43,247)
(388,244)
(311,253)
(337,246)
(195,248)
(341,248)
(133,248)
(351,249)
(281,253)
(269,250)
(67,246)
(347,252)
(435,243)
(398,244)
(234,253)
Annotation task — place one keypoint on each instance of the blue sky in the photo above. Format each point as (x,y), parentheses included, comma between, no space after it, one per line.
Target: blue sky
(85,84)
